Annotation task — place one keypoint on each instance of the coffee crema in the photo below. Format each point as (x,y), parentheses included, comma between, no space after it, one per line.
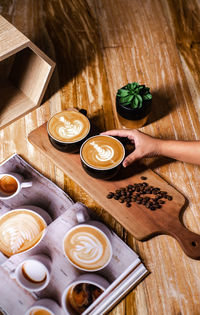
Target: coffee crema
(102,152)
(40,311)
(68,126)
(87,247)
(20,230)
(8,185)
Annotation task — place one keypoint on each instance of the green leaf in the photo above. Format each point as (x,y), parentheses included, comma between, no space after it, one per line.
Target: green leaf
(122,93)
(134,85)
(139,97)
(147,97)
(135,102)
(141,87)
(126,99)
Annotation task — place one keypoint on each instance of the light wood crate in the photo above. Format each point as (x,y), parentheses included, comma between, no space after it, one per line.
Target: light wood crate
(25,72)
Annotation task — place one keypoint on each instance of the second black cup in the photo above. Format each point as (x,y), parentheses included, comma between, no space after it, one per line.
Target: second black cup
(67,130)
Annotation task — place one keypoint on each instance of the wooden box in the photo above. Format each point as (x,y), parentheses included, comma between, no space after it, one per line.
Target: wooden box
(24,74)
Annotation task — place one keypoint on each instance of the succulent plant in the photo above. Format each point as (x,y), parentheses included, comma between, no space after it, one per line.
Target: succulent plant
(133,95)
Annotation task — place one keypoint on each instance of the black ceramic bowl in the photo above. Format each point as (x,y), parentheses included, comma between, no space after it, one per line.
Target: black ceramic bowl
(102,173)
(68,146)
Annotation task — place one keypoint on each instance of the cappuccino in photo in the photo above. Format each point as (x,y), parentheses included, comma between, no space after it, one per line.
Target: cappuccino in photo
(87,247)
(33,274)
(11,184)
(102,152)
(80,296)
(44,307)
(34,271)
(40,311)
(8,184)
(20,230)
(68,126)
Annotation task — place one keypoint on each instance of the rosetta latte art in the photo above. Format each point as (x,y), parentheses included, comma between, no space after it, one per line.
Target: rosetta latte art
(69,130)
(19,230)
(103,153)
(87,249)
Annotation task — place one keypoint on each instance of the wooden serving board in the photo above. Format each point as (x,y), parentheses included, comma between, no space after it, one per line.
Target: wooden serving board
(141,222)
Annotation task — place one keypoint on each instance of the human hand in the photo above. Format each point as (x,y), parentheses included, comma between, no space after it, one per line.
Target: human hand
(145,146)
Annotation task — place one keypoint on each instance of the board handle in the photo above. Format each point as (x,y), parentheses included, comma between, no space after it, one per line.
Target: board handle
(188,240)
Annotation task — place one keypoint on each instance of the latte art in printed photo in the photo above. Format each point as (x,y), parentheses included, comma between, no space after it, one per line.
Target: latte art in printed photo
(87,247)
(19,231)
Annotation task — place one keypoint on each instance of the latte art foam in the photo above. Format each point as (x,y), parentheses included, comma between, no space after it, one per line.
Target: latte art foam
(68,126)
(102,152)
(87,248)
(19,231)
(69,130)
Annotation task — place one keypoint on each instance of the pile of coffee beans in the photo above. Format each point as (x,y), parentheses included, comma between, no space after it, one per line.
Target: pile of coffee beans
(142,193)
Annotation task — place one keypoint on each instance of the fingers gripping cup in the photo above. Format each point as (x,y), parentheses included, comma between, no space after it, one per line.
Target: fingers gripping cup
(67,130)
(101,156)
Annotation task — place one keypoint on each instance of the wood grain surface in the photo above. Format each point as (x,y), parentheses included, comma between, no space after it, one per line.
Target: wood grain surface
(141,222)
(99,46)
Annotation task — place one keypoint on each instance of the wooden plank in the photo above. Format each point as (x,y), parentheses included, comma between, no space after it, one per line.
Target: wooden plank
(73,33)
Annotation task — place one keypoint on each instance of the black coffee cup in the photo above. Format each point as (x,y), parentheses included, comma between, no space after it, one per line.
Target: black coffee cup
(102,156)
(67,130)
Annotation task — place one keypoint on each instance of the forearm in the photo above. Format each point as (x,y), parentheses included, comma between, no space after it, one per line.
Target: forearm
(186,151)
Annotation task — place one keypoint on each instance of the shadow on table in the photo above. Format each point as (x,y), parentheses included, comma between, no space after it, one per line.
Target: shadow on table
(65,30)
(163,102)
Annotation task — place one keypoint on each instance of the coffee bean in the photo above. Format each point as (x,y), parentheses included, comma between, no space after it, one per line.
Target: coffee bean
(136,193)
(110,195)
(169,197)
(130,186)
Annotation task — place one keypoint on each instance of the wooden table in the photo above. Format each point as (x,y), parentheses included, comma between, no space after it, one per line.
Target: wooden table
(98,47)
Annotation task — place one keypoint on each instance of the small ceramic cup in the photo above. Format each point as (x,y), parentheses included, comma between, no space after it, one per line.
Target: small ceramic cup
(11,184)
(44,306)
(96,280)
(87,246)
(33,273)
